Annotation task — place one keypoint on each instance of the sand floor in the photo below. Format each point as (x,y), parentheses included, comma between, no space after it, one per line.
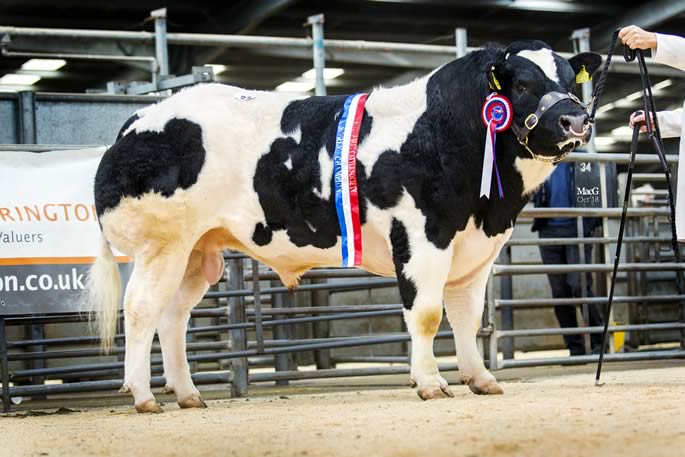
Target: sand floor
(639,412)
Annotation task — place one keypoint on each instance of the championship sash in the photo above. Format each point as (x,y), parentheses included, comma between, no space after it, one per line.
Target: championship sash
(345,175)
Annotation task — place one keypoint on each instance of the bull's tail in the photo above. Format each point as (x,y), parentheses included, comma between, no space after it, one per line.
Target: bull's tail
(103,294)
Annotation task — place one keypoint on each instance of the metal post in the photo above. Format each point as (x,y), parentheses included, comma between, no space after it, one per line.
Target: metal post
(161,48)
(27,117)
(281,332)
(236,315)
(492,320)
(37,332)
(319,55)
(460,41)
(581,43)
(256,293)
(583,285)
(507,292)
(6,401)
(321,329)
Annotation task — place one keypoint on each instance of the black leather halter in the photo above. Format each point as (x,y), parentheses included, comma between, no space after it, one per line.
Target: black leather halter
(546,102)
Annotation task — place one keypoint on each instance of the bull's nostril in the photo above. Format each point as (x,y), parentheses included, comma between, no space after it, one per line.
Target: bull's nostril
(565,123)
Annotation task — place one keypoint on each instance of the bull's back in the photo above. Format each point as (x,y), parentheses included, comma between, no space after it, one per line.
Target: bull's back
(217,155)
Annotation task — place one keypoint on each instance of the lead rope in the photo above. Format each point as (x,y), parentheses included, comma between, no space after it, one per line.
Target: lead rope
(655,137)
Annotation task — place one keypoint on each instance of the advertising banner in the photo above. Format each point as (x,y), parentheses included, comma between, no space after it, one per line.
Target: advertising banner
(49,232)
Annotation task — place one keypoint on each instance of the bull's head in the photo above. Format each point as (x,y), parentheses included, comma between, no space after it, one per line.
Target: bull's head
(549,120)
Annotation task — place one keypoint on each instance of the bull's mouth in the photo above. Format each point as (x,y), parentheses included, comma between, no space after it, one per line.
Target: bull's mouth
(574,140)
(570,144)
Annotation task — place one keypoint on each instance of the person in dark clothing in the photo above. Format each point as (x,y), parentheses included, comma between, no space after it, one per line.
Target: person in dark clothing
(559,192)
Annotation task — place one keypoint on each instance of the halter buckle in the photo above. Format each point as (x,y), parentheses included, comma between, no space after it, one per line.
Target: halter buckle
(535,121)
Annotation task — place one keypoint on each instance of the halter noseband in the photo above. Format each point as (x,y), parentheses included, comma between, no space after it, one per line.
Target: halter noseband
(546,102)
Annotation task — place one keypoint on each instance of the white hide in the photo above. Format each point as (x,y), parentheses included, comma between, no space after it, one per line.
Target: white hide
(326,172)
(543,58)
(533,172)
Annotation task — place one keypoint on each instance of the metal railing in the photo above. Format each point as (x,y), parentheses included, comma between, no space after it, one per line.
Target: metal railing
(241,327)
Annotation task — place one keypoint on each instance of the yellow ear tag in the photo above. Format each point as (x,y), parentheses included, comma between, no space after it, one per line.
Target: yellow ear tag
(583,76)
(498,86)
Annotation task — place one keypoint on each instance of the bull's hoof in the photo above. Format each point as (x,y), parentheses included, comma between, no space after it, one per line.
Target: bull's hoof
(149,406)
(167,390)
(124,389)
(412,383)
(483,386)
(434,392)
(192,402)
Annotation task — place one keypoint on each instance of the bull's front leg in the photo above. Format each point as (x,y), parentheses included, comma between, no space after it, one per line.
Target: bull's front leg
(464,305)
(421,271)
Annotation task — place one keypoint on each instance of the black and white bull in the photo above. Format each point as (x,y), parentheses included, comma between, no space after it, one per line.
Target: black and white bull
(217,167)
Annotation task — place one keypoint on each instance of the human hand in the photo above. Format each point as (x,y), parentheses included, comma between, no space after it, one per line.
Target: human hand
(638,117)
(636,38)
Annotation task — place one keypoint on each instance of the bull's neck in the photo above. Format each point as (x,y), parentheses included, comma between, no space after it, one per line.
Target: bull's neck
(456,94)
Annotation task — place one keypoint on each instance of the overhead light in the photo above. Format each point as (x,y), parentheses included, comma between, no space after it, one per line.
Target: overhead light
(328,73)
(633,96)
(604,141)
(295,86)
(217,68)
(19,80)
(626,102)
(623,131)
(605,108)
(663,84)
(43,64)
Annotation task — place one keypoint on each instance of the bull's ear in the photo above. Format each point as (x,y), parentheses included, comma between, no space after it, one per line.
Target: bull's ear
(497,75)
(585,65)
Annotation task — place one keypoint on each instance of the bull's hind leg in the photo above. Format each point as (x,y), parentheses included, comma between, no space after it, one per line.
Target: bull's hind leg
(155,279)
(172,332)
(421,272)
(464,306)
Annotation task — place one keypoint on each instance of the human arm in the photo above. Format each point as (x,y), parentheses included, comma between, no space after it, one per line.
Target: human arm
(666,49)
(670,122)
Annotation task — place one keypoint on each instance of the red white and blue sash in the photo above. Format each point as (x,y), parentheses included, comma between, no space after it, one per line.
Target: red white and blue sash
(345,176)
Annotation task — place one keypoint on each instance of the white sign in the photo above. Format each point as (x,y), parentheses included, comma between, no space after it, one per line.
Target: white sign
(49,231)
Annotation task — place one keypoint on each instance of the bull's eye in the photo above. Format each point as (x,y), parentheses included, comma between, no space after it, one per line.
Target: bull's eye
(520,87)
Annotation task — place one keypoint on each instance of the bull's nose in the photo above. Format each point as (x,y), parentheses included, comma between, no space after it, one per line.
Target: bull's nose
(574,125)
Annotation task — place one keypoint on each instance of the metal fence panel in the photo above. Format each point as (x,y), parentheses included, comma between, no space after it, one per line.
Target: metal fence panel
(84,119)
(8,119)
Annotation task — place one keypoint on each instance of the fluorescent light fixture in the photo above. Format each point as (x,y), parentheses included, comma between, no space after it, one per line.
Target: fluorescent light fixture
(663,84)
(604,141)
(328,73)
(605,108)
(43,64)
(217,68)
(623,131)
(12,79)
(295,86)
(633,96)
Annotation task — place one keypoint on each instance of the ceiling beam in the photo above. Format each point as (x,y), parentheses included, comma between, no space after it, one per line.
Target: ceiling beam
(246,20)
(429,61)
(550,6)
(646,16)
(386,59)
